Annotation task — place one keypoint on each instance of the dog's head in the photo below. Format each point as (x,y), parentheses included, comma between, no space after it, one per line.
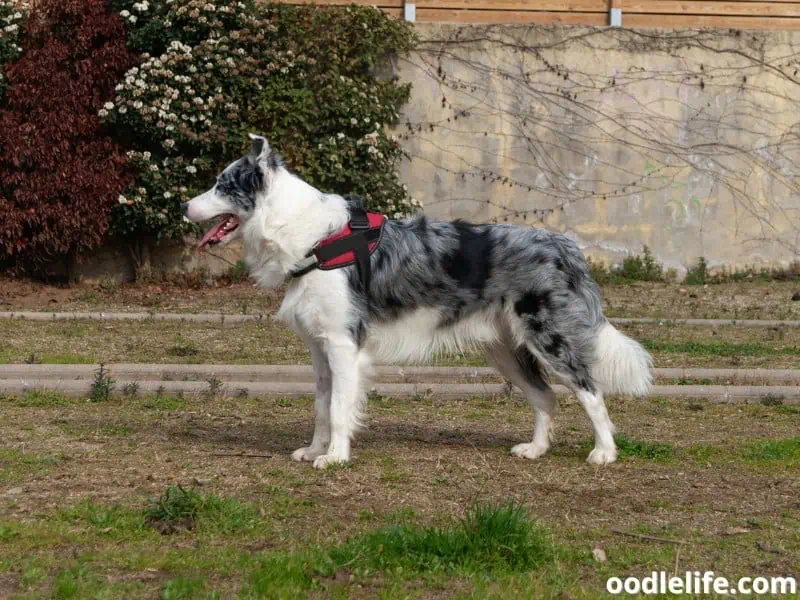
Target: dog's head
(235,195)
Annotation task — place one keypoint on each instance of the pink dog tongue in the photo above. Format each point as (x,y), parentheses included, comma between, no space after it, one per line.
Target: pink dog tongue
(212,234)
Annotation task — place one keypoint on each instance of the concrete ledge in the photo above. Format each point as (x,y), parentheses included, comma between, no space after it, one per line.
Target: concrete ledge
(707,322)
(384,374)
(229,319)
(711,393)
(219,319)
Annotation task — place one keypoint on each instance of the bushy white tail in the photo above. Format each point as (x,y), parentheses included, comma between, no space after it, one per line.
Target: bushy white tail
(622,365)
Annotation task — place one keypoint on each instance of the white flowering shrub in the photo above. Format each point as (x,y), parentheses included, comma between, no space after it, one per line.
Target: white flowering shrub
(214,70)
(12,16)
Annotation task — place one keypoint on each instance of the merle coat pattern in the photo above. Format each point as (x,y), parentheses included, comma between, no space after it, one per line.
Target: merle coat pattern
(523,296)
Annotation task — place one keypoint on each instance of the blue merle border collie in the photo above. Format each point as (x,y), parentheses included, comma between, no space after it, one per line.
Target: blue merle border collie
(521,295)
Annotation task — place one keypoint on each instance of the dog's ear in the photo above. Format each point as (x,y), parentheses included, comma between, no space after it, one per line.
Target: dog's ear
(260,149)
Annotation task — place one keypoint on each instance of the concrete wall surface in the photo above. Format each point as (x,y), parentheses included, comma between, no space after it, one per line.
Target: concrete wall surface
(682,140)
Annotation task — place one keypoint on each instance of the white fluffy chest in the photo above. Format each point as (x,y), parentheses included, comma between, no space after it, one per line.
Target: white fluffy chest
(418,335)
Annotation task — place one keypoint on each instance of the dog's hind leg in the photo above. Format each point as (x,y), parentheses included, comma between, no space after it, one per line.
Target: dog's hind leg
(570,366)
(521,368)
(322,406)
(346,399)
(605,450)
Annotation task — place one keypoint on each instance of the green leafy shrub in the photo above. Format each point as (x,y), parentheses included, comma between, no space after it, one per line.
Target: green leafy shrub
(642,268)
(214,70)
(102,386)
(12,17)
(698,274)
(634,268)
(237,272)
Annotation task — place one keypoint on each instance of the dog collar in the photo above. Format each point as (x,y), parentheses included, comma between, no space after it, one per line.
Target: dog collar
(352,245)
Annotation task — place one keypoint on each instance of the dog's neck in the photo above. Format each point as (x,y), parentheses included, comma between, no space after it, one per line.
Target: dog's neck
(287,223)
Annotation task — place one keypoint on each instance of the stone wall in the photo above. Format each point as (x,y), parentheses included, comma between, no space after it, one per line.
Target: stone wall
(682,140)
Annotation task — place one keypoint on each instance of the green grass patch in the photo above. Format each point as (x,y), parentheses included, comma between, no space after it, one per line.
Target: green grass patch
(14,464)
(786,451)
(8,532)
(65,359)
(703,453)
(224,516)
(39,399)
(628,448)
(719,349)
(117,522)
(185,587)
(395,476)
(491,539)
(164,402)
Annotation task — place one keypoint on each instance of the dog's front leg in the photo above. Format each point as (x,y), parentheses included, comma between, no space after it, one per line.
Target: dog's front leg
(322,405)
(345,407)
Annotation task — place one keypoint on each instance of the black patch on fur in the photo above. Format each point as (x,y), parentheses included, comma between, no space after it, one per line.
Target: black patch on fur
(581,377)
(392,303)
(274,160)
(532,303)
(358,331)
(530,368)
(572,281)
(469,264)
(241,183)
(555,345)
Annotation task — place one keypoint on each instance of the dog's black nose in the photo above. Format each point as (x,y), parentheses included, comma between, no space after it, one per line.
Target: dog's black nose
(185,207)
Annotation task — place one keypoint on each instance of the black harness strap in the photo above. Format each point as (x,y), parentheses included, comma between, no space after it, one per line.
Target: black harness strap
(358,242)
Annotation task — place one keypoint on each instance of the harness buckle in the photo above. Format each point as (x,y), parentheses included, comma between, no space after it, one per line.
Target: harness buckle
(358,219)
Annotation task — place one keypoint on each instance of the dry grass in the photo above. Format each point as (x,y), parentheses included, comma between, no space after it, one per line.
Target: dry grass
(77,477)
(742,300)
(273,343)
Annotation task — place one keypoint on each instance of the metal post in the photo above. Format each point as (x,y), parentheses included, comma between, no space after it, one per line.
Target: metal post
(410,11)
(615,13)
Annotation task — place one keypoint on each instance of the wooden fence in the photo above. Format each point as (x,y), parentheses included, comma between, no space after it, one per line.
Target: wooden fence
(738,14)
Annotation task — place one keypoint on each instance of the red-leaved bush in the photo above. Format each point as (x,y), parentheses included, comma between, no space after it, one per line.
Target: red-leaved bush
(60,175)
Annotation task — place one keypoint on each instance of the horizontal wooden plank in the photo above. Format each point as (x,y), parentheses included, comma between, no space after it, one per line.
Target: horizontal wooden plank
(376,3)
(711,7)
(487,17)
(722,22)
(522,5)
(648,15)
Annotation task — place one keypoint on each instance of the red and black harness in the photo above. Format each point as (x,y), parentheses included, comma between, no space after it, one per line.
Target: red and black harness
(352,245)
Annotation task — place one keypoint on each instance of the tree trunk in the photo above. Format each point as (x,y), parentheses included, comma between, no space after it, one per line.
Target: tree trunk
(139,251)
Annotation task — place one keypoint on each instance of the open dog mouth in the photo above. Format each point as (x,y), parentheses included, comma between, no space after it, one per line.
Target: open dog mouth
(220,231)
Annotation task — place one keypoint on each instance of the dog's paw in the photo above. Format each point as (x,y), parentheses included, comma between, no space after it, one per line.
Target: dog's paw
(308,453)
(326,460)
(602,456)
(530,450)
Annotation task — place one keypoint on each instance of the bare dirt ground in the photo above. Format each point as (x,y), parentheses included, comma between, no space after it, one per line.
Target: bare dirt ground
(76,477)
(689,471)
(741,300)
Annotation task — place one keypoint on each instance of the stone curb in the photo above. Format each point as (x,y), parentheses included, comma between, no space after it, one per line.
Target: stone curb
(712,393)
(229,319)
(383,374)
